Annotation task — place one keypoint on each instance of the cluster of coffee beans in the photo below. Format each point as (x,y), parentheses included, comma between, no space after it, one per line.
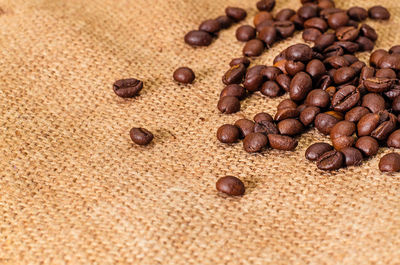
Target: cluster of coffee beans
(209,29)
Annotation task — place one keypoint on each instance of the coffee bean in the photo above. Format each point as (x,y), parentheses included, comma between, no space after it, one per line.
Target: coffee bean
(315,68)
(351,59)
(374,102)
(366,73)
(390,61)
(228,133)
(307,116)
(127,88)
(324,4)
(352,156)
(210,26)
(376,56)
(293,67)
(344,75)
(390,163)
(315,151)
(242,60)
(245,127)
(378,125)
(234,75)
(317,23)
(141,136)
(253,48)
(268,35)
(395,49)
(329,11)
(184,75)
(270,89)
(262,116)
(365,44)
(333,50)
(307,12)
(254,78)
(266,5)
(378,84)
(286,113)
(385,73)
(229,105)
(331,160)
(224,21)
(283,81)
(231,186)
(368,32)
(284,14)
(233,90)
(385,128)
(198,38)
(245,33)
(378,12)
(261,17)
(368,145)
(356,113)
(338,20)
(358,66)
(286,103)
(236,13)
(271,72)
(348,46)
(285,29)
(311,34)
(336,62)
(290,127)
(299,52)
(265,23)
(357,13)
(342,128)
(346,98)
(347,33)
(324,41)
(394,139)
(324,122)
(301,107)
(255,142)
(343,142)
(396,104)
(300,85)
(282,142)
(318,98)
(265,127)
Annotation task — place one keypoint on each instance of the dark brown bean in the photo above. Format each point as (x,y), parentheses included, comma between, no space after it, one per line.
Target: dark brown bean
(365,44)
(233,90)
(395,49)
(368,145)
(378,12)
(245,127)
(307,12)
(311,34)
(229,105)
(265,5)
(228,134)
(245,33)
(293,67)
(343,128)
(352,156)
(234,75)
(376,56)
(308,115)
(356,113)
(210,26)
(282,142)
(141,136)
(315,68)
(254,78)
(368,32)
(198,38)
(270,89)
(284,14)
(285,29)
(299,52)
(290,127)
(265,127)
(396,104)
(390,163)
(343,142)
(230,185)
(127,88)
(262,116)
(284,82)
(300,85)
(386,73)
(271,72)
(184,75)
(357,13)
(318,98)
(346,98)
(344,75)
(324,41)
(324,122)
(336,62)
(347,33)
(331,160)
(390,61)
(394,139)
(224,21)
(255,142)
(315,151)
(317,23)
(265,23)
(286,103)
(236,13)
(253,48)
(374,102)
(242,60)
(378,84)
(286,113)
(261,17)
(338,20)
(268,35)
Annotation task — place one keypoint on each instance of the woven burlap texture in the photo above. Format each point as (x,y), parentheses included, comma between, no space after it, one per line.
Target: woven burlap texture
(75,190)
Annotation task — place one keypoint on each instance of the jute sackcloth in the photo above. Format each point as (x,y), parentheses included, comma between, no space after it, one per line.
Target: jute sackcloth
(74,189)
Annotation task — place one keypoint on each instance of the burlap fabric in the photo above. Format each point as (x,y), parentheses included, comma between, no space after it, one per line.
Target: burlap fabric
(75,190)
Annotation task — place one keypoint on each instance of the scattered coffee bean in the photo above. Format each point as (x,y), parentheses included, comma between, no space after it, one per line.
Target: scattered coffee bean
(233,90)
(210,26)
(374,102)
(236,13)
(385,73)
(316,23)
(376,56)
(231,186)
(228,134)
(229,105)
(346,98)
(344,75)
(282,142)
(395,49)
(184,75)
(324,122)
(141,136)
(255,142)
(342,128)
(368,32)
(315,68)
(315,151)
(368,145)
(284,14)
(307,11)
(300,85)
(283,81)
(299,52)
(394,139)
(127,88)
(311,34)
(293,67)
(357,13)
(245,33)
(338,20)
(198,38)
(352,156)
(266,5)
(365,44)
(245,127)
(286,113)
(331,160)
(378,12)
(390,163)
(268,35)
(285,29)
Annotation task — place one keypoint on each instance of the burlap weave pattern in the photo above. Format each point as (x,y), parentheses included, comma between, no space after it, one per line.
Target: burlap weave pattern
(75,190)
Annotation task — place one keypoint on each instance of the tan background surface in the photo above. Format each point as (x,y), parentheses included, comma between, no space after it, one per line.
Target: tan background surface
(74,189)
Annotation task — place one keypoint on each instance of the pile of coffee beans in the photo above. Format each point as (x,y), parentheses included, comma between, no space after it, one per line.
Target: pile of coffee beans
(209,29)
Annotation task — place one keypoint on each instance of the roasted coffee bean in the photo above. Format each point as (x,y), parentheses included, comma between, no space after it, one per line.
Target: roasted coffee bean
(390,163)
(284,14)
(376,56)
(245,127)
(254,78)
(245,33)
(315,68)
(231,186)
(357,13)
(307,12)
(317,23)
(290,127)
(338,20)
(255,142)
(285,29)
(271,72)
(307,116)
(233,90)
(265,23)
(286,113)
(358,66)
(368,32)
(332,72)
(324,41)
(311,34)
(261,17)
(286,103)
(356,113)
(390,61)
(265,127)
(283,81)
(293,67)
(253,48)
(297,21)
(344,75)
(395,49)
(184,75)
(324,122)
(266,5)
(330,11)
(331,160)
(343,128)
(385,127)
(396,104)
(268,35)
(343,142)
(324,82)
(365,44)
(127,88)
(352,156)
(236,13)
(378,84)
(385,73)
(374,102)
(242,60)
(324,4)
(300,85)
(368,146)
(301,107)
(318,98)
(270,89)
(378,12)
(234,75)
(299,52)
(224,21)
(141,136)
(336,62)
(351,58)
(229,105)
(210,26)
(348,46)
(346,98)
(198,38)
(315,151)
(282,142)
(394,139)
(347,33)
(228,134)
(333,50)
(378,125)
(262,116)
(366,73)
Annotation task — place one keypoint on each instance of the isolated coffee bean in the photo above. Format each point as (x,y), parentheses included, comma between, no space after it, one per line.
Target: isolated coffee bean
(365,44)
(376,56)
(284,14)
(265,5)
(331,160)
(265,127)
(286,104)
(245,33)
(378,84)
(352,156)
(198,38)
(299,52)
(233,90)
(346,98)
(307,116)
(342,128)
(318,98)
(394,139)
(378,12)
(311,34)
(236,13)
(367,145)
(261,17)
(229,105)
(262,116)
(356,113)
(286,113)
(315,68)
(324,122)
(127,88)
(254,78)
(290,127)
(228,134)
(317,23)
(184,75)
(285,29)
(253,48)
(357,13)
(271,73)
(141,136)
(344,75)
(210,26)
(255,142)
(270,89)
(231,186)
(369,32)
(386,73)
(374,102)
(224,21)
(300,85)
(284,82)
(268,35)
(245,127)
(315,151)
(390,163)
(338,20)
(234,75)
(324,41)
(282,142)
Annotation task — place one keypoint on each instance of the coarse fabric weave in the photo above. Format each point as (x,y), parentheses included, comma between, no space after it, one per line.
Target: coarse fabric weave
(74,189)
